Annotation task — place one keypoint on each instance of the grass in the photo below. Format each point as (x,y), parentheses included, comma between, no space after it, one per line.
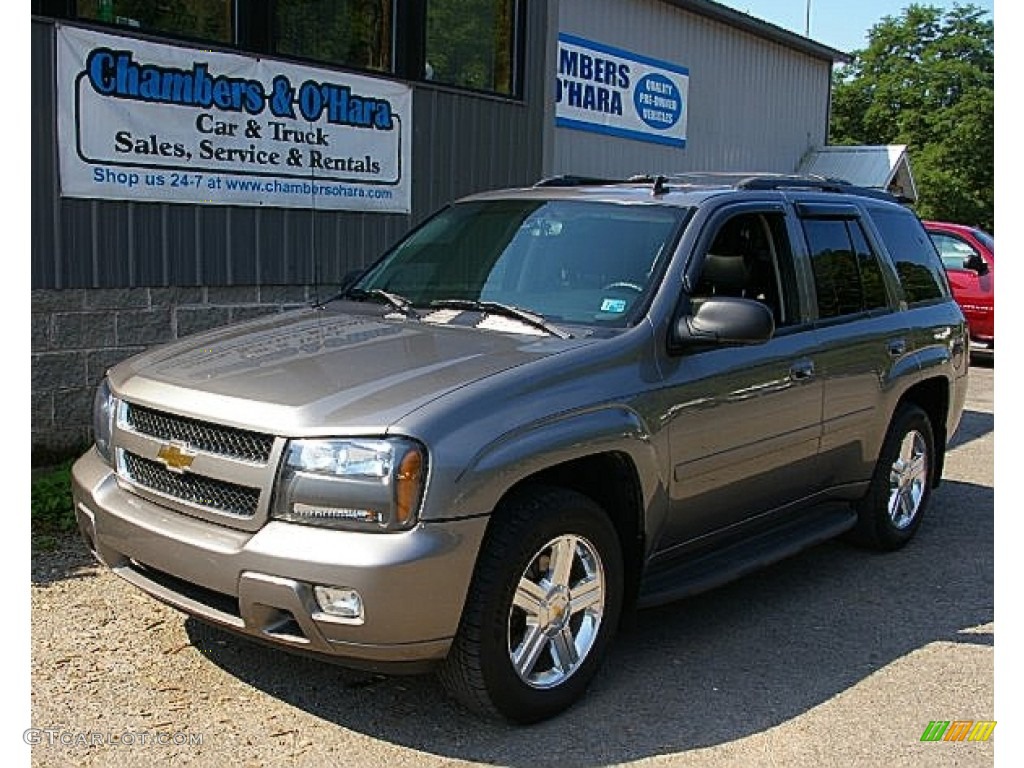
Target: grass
(53,511)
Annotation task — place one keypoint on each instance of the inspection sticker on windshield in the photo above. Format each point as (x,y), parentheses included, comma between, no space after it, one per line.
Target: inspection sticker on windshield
(613,305)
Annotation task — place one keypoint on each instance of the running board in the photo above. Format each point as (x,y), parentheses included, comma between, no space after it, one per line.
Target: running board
(708,570)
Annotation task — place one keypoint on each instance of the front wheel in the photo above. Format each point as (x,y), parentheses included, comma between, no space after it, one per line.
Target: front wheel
(891,511)
(543,605)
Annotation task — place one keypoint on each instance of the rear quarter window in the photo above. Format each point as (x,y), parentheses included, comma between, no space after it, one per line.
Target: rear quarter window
(915,258)
(847,276)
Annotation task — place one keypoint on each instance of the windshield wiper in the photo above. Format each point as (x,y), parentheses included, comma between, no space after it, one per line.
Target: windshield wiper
(397,301)
(507,310)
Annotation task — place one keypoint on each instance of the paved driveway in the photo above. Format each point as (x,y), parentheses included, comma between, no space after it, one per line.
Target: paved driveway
(836,657)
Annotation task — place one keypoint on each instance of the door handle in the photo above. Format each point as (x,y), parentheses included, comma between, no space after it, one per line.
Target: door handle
(897,347)
(801,370)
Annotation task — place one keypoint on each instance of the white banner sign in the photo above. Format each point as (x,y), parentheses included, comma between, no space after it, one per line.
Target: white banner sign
(618,93)
(144,121)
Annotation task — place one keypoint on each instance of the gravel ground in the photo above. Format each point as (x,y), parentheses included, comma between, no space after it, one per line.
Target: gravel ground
(834,657)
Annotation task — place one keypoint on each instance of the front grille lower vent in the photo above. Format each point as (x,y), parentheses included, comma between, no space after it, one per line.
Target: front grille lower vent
(201,435)
(206,492)
(218,601)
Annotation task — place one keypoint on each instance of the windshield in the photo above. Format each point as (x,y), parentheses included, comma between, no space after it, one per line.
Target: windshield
(567,261)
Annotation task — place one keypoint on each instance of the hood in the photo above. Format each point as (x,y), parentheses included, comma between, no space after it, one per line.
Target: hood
(321,371)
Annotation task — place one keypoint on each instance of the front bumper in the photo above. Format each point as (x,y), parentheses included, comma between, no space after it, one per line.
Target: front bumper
(413,584)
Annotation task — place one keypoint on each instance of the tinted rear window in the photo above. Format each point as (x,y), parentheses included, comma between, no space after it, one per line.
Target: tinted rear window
(916,260)
(847,276)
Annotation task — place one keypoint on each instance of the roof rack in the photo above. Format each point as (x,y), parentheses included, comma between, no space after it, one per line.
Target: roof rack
(569,180)
(734,179)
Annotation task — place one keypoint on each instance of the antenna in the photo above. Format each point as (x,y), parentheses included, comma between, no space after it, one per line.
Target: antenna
(315,262)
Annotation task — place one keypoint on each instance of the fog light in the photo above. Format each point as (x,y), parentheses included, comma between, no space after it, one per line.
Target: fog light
(340,602)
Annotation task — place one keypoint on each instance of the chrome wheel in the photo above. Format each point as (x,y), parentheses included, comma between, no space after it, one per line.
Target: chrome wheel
(542,607)
(908,479)
(556,612)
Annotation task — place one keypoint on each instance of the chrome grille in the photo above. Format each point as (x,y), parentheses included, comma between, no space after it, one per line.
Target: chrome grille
(205,491)
(201,435)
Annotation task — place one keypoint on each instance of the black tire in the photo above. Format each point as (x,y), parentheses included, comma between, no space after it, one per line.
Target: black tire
(890,513)
(479,670)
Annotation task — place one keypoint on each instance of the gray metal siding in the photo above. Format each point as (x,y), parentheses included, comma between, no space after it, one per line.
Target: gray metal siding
(754,104)
(462,143)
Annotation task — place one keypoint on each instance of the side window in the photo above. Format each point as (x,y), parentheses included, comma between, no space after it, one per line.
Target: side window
(875,295)
(847,276)
(953,251)
(750,257)
(917,264)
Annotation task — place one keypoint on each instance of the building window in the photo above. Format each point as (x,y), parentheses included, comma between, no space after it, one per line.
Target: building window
(200,19)
(352,33)
(471,43)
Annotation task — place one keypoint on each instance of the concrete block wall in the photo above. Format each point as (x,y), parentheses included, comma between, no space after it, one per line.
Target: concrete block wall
(78,333)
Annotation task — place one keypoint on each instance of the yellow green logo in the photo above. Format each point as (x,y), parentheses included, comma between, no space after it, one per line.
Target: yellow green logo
(958,730)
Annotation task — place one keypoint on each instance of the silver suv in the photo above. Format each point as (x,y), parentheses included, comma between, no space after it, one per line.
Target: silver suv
(541,409)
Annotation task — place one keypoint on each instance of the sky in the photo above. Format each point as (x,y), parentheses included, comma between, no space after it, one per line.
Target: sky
(841,24)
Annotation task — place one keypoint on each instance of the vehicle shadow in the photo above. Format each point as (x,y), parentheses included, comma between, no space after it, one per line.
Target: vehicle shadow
(68,559)
(700,672)
(984,359)
(973,425)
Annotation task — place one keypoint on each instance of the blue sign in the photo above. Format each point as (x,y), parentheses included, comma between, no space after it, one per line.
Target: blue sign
(618,93)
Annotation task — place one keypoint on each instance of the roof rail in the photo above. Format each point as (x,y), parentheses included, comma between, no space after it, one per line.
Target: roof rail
(570,180)
(735,179)
(780,181)
(797,182)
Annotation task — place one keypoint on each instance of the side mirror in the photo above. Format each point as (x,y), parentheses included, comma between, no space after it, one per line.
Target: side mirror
(975,263)
(723,321)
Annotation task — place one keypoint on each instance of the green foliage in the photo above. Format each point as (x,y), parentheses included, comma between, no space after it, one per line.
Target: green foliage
(53,511)
(927,80)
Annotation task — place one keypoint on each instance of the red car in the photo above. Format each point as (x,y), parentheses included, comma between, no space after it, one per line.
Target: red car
(969,256)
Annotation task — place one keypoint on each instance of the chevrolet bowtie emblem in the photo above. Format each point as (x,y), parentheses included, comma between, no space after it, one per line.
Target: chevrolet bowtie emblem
(176,458)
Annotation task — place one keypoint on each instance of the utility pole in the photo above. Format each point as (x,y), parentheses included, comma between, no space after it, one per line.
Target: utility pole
(807,20)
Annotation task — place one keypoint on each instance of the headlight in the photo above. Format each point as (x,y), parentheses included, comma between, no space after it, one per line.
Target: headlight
(104,409)
(356,484)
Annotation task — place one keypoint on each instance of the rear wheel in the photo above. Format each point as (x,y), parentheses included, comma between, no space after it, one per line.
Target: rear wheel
(541,610)
(891,511)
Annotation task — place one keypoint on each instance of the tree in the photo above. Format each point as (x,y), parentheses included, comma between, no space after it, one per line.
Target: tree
(927,80)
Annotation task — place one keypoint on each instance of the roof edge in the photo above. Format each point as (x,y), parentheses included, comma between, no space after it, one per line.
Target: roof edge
(764,29)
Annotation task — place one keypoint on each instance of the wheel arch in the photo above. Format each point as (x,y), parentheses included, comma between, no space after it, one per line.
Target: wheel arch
(611,480)
(932,396)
